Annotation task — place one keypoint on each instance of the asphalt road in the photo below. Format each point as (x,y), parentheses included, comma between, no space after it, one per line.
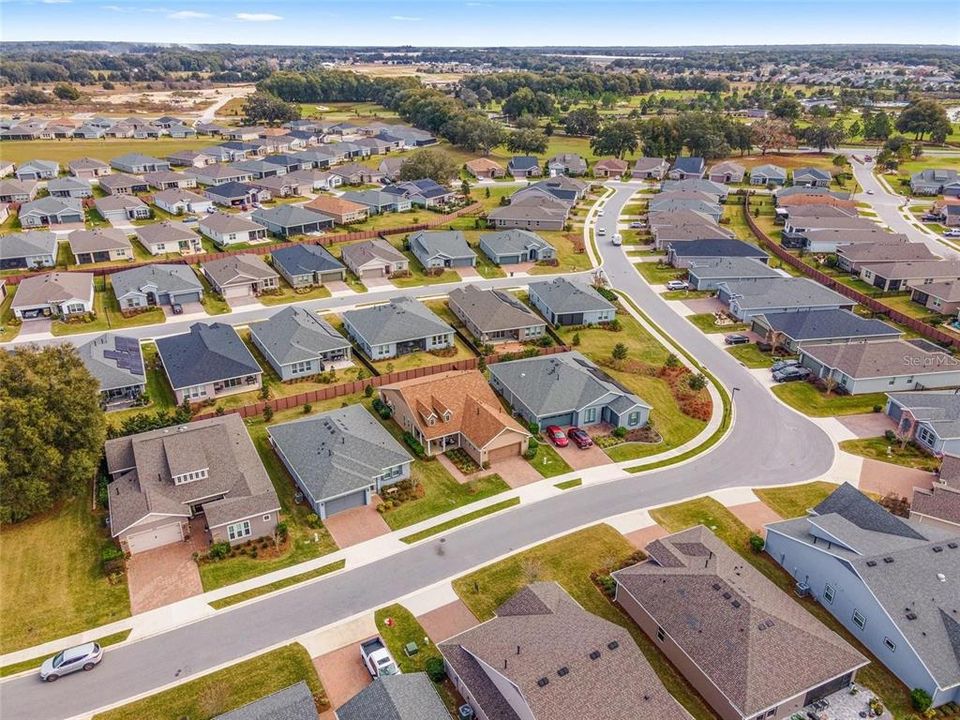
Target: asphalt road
(769,444)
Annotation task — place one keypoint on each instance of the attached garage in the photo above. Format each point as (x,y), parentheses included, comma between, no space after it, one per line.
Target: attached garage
(562,420)
(505,452)
(344,502)
(186,297)
(508,259)
(154,538)
(373,272)
(237,291)
(329,277)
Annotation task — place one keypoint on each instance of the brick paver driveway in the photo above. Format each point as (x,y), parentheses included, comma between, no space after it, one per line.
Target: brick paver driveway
(447,620)
(866,425)
(354,526)
(755,515)
(579,459)
(882,478)
(162,576)
(516,471)
(342,674)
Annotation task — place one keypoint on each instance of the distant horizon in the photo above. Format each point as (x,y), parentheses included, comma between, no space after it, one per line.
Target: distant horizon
(487,23)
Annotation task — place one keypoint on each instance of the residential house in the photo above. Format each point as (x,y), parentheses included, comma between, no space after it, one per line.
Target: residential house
(37,170)
(116,363)
(57,294)
(441,249)
(793,330)
(88,132)
(28,250)
(940,504)
(797,224)
(161,479)
(374,259)
(259,168)
(930,181)
(524,167)
(484,169)
(156,285)
(215,175)
(718,191)
(375,146)
(169,236)
(236,194)
(707,274)
(768,175)
(100,245)
(190,159)
(138,164)
(357,174)
(951,215)
(295,702)
(17,191)
(409,696)
(563,302)
(567,190)
(731,628)
(747,298)
(208,362)
(378,201)
(305,265)
(181,202)
(684,254)
(122,184)
(287,221)
(226,229)
(495,316)
(812,177)
(687,167)
(289,163)
(48,211)
(6,168)
(88,168)
(802,195)
(510,247)
(237,150)
(278,185)
(530,214)
(239,276)
(929,418)
(456,409)
(571,664)
(853,257)
(344,212)
(320,158)
(243,134)
(340,459)
(889,581)
(566,164)
(298,343)
(940,297)
(167,179)
(825,241)
(566,389)
(610,168)
(423,193)
(69,187)
(649,168)
(313,180)
(887,366)
(891,277)
(727,172)
(122,208)
(181,131)
(399,327)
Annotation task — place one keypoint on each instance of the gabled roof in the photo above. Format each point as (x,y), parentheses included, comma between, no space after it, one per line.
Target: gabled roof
(115,361)
(304,258)
(399,320)
(25,244)
(67,183)
(230,189)
(242,267)
(166,231)
(335,205)
(890,358)
(769,170)
(441,243)
(51,206)
(507,242)
(100,239)
(359,254)
(645,164)
(219,222)
(337,452)
(564,296)
(716,247)
(689,164)
(205,354)
(165,278)
(289,216)
(410,696)
(120,180)
(812,325)
(54,287)
(523,162)
(751,640)
(812,173)
(171,196)
(87,163)
(297,335)
(940,409)
(783,292)
(731,267)
(492,310)
(885,252)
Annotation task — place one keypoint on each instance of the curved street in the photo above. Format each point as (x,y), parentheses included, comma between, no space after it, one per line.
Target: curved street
(768,444)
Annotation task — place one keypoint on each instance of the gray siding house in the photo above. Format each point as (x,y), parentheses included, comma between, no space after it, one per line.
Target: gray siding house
(747,298)
(495,316)
(891,582)
(34,249)
(399,327)
(566,389)
(793,330)
(340,459)
(304,265)
(930,418)
(510,247)
(151,285)
(563,302)
(117,364)
(50,211)
(297,343)
(708,274)
(442,249)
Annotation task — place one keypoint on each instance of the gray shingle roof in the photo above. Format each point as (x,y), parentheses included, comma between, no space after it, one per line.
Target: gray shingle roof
(54,287)
(887,358)
(337,452)
(560,383)
(508,242)
(440,243)
(67,183)
(732,267)
(564,296)
(166,231)
(783,292)
(492,310)
(358,254)
(396,697)
(114,364)
(86,241)
(716,247)
(166,278)
(827,325)
(939,408)
(304,258)
(291,703)
(289,216)
(398,320)
(34,242)
(296,335)
(238,268)
(205,354)
(51,206)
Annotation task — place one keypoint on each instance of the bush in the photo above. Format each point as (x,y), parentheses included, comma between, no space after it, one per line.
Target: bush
(920,699)
(533,443)
(608,585)
(368,391)
(607,294)
(413,444)
(282,531)
(268,412)
(219,411)
(756,543)
(672,361)
(877,408)
(531,452)
(219,550)
(576,340)
(435,669)
(534,428)
(697,382)
(890,436)
(620,432)
(313,520)
(382,409)
(307,409)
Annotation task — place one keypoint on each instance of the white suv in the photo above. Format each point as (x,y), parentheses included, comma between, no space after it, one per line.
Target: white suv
(81,657)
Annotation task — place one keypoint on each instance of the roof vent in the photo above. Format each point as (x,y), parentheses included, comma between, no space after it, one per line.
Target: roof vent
(563,671)
(761,626)
(938,548)
(941,577)
(727,596)
(952,545)
(768,622)
(736,603)
(543,682)
(716,586)
(613,645)
(911,616)
(888,560)
(871,563)
(595,655)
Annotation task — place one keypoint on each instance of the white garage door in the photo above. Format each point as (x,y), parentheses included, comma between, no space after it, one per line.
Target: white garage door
(155,538)
(237,291)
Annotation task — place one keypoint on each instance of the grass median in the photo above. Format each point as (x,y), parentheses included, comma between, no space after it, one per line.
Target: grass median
(463,519)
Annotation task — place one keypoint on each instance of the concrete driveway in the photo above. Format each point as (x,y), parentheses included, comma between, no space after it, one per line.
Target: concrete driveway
(354,526)
(516,471)
(883,478)
(40,326)
(376,282)
(342,674)
(867,425)
(190,308)
(162,576)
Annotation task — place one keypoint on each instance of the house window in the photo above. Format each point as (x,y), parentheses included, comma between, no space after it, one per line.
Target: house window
(195,391)
(925,436)
(633,418)
(239,530)
(590,415)
(74,308)
(266,518)
(661,634)
(300,367)
(891,645)
(829,593)
(858,619)
(190,476)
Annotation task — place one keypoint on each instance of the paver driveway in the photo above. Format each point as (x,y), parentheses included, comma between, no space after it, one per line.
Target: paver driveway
(162,576)
(579,459)
(342,674)
(447,620)
(354,526)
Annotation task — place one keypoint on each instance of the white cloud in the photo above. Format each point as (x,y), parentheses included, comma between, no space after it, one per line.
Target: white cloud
(112,8)
(56,2)
(404,18)
(188,15)
(257,17)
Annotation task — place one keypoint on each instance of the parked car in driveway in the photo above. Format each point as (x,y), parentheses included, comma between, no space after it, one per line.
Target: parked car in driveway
(677,285)
(377,659)
(790,374)
(80,657)
(580,438)
(952,233)
(781,364)
(556,436)
(736,339)
(637,225)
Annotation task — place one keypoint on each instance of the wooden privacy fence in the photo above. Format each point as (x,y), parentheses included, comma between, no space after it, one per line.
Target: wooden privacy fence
(351,387)
(872,304)
(325,240)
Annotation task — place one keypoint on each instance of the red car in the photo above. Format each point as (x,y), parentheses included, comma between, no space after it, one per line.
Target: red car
(580,438)
(556,436)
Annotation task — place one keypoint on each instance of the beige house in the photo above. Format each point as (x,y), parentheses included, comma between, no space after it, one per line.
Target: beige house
(484,168)
(241,275)
(374,259)
(344,212)
(100,245)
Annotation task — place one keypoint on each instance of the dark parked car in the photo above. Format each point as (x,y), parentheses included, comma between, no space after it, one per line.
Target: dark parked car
(781,364)
(736,339)
(556,436)
(790,374)
(580,437)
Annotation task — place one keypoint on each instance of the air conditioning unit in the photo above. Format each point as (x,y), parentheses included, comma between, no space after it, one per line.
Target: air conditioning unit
(802,589)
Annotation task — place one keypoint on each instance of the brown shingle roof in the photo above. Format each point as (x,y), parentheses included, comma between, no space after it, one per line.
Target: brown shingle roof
(327,204)
(881,359)
(481,164)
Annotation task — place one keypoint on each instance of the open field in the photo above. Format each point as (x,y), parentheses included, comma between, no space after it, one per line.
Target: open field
(64,151)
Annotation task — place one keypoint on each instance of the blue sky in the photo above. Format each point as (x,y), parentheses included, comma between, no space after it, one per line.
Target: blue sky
(485,22)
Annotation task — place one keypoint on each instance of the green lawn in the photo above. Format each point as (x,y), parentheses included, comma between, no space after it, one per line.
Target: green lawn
(159,392)
(810,401)
(569,560)
(657,273)
(569,484)
(707,511)
(751,356)
(213,303)
(548,461)
(795,500)
(456,522)
(441,494)
(570,254)
(228,689)
(99,323)
(51,584)
(278,585)
(707,323)
(423,359)
(8,328)
(288,294)
(879,448)
(66,150)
